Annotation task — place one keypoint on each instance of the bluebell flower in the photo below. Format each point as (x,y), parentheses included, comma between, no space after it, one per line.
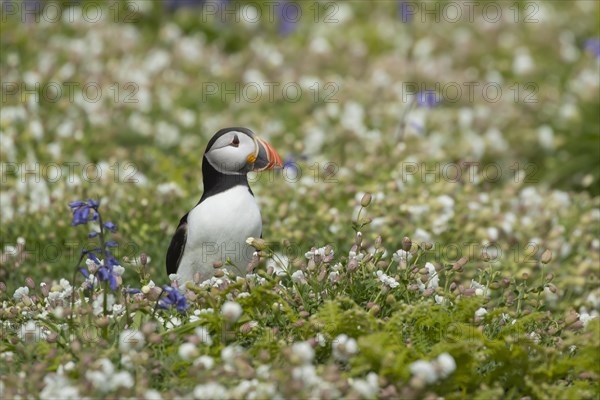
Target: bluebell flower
(593,46)
(84,272)
(289,162)
(173,298)
(110,226)
(418,127)
(84,211)
(91,255)
(105,274)
(173,5)
(105,270)
(428,99)
(111,261)
(404,11)
(288,17)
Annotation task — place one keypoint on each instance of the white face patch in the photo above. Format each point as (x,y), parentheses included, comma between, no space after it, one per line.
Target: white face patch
(229,154)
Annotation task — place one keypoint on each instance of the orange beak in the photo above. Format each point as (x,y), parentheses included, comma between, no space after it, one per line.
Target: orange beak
(266,157)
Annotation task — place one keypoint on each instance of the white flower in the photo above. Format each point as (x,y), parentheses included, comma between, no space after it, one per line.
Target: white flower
(421,236)
(431,371)
(585,318)
(402,255)
(207,362)
(480,312)
(137,260)
(298,277)
(121,379)
(594,299)
(204,335)
(211,390)
(320,338)
(433,282)
(320,251)
(131,339)
(20,292)
(545,136)
(100,378)
(492,233)
(535,337)
(152,394)
(333,275)
(446,364)
(32,332)
(446,201)
(98,304)
(118,309)
(388,280)
(57,386)
(230,353)
(187,351)
(366,388)
(91,265)
(306,374)
(172,322)
(424,370)
(66,286)
(231,311)
(118,270)
(303,351)
(344,347)
(522,63)
(480,290)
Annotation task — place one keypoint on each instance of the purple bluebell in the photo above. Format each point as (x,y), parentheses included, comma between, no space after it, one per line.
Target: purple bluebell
(106,274)
(428,99)
(91,255)
(110,226)
(172,297)
(173,5)
(84,211)
(288,14)
(404,11)
(289,162)
(593,46)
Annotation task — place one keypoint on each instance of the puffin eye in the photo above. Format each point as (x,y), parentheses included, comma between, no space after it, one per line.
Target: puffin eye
(236,141)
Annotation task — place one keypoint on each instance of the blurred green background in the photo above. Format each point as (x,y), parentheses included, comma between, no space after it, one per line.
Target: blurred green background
(132,91)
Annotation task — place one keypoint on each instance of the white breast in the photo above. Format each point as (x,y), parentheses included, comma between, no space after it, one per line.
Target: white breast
(217,229)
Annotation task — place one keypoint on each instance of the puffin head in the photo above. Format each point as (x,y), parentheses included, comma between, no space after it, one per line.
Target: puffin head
(237,151)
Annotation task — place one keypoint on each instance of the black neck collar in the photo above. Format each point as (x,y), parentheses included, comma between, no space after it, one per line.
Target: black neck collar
(216,182)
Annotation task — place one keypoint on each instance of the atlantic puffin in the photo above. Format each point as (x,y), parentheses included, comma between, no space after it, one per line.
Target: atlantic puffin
(227,214)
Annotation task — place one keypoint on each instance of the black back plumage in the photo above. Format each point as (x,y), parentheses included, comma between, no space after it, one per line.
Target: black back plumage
(175,251)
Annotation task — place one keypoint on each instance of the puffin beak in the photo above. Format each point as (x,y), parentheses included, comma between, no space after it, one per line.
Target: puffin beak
(266,157)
